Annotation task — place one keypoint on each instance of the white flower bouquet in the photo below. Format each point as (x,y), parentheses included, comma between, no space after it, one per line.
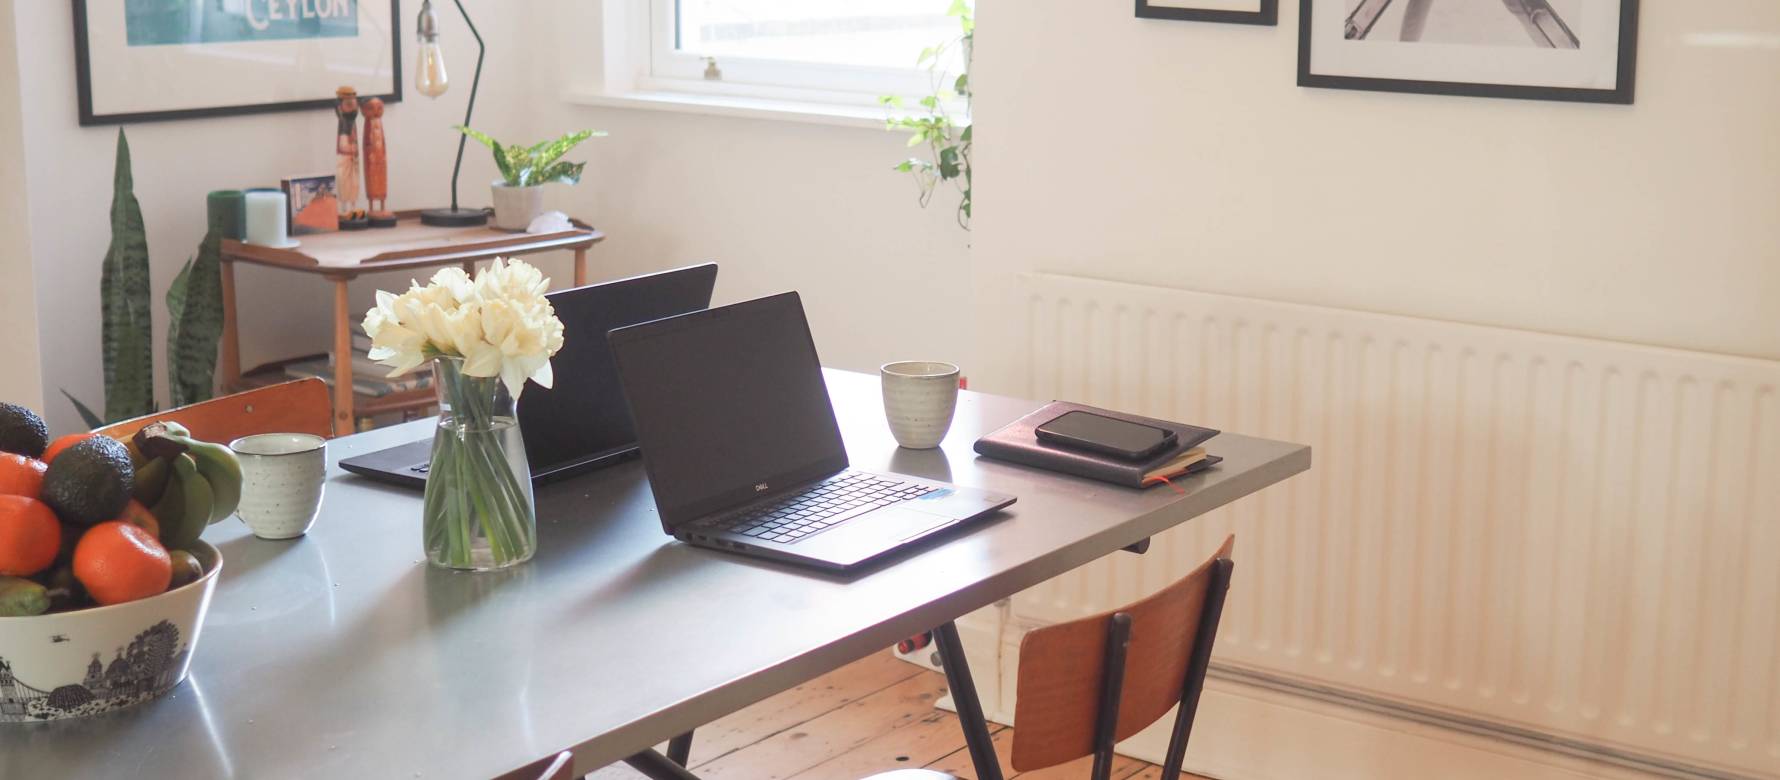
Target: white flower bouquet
(484,338)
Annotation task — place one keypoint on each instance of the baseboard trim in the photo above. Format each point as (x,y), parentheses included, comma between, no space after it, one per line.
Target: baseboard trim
(1566,746)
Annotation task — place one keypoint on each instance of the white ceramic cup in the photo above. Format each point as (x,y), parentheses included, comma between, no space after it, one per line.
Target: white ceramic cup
(919,398)
(286,473)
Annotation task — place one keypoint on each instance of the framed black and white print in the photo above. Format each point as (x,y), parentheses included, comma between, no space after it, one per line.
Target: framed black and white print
(1265,12)
(1576,50)
(146,60)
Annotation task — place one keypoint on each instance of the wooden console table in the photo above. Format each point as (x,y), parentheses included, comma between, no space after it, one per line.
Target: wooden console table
(341,257)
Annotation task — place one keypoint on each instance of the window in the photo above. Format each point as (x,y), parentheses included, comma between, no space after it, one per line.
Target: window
(851,49)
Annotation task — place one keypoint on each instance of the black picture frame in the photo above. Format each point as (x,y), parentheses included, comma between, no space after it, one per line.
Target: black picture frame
(1268,15)
(84,85)
(1622,92)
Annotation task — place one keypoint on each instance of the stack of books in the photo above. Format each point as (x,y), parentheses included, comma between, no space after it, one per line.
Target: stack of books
(369,378)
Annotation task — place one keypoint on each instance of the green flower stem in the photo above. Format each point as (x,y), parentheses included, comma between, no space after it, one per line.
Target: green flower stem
(478,508)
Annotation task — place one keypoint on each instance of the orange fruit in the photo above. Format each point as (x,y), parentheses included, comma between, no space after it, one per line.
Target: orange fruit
(30,536)
(119,562)
(21,476)
(62,443)
(138,515)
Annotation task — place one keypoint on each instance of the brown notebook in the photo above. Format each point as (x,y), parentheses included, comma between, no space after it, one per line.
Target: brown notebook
(1018,442)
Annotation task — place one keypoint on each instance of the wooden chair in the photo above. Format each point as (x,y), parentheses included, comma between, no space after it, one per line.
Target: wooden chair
(558,767)
(302,406)
(1089,683)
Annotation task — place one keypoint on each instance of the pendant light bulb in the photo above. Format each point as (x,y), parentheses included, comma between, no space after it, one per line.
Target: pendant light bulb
(429,72)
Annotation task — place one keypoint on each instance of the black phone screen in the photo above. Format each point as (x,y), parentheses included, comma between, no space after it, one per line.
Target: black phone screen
(1109,433)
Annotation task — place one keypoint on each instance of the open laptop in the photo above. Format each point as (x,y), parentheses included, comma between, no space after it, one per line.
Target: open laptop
(744,454)
(581,423)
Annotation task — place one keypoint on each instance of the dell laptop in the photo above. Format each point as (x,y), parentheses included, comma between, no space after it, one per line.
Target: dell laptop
(581,423)
(743,452)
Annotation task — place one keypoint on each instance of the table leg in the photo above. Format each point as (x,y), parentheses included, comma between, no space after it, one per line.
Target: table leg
(680,749)
(964,698)
(231,334)
(470,268)
(580,266)
(342,359)
(656,766)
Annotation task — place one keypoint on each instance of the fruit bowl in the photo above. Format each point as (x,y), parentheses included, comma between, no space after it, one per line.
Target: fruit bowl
(85,662)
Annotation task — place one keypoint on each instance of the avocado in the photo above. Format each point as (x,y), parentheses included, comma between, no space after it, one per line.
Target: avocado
(22,431)
(20,597)
(89,482)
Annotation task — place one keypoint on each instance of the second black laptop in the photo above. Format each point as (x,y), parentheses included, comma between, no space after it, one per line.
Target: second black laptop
(581,422)
(744,453)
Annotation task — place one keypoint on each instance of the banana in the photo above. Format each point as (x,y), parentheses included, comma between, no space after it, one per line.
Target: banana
(222,470)
(151,481)
(218,464)
(184,510)
(200,499)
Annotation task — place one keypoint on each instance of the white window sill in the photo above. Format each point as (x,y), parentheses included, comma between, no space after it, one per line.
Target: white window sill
(750,107)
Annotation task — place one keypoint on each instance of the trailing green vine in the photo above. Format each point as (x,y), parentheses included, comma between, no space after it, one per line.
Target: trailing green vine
(947,139)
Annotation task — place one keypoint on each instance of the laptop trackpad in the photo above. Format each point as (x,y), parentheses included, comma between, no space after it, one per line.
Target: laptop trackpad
(872,533)
(941,523)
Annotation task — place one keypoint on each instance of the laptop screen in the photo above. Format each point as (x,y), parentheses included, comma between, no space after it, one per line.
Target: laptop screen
(729,404)
(582,417)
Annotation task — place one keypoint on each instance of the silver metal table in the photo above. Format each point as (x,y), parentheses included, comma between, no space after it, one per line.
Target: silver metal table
(342,654)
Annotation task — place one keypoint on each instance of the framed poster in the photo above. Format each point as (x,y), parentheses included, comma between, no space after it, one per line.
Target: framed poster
(148,60)
(1264,12)
(1576,50)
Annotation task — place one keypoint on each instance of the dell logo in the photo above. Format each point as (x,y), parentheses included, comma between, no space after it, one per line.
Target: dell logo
(760,488)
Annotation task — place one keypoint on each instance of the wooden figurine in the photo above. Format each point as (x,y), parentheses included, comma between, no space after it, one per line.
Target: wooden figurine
(377,166)
(346,160)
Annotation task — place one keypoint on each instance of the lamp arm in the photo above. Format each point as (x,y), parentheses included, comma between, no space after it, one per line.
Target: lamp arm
(475,82)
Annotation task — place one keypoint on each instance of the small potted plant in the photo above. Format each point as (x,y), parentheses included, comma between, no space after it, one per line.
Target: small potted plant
(519,194)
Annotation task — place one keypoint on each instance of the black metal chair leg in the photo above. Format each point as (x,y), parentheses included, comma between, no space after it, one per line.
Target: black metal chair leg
(658,767)
(680,749)
(964,697)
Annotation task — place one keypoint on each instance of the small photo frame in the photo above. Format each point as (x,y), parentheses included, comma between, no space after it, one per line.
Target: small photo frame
(1262,12)
(313,205)
(1572,50)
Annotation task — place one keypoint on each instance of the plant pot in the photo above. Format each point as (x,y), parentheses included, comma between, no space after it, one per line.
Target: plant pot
(82,663)
(516,207)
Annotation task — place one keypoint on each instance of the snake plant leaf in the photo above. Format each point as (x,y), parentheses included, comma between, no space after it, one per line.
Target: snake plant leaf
(126,326)
(87,415)
(194,310)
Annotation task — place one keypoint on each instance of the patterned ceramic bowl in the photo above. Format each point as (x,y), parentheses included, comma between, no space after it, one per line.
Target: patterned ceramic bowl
(81,663)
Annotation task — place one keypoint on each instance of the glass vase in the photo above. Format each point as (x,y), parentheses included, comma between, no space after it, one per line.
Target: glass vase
(478,512)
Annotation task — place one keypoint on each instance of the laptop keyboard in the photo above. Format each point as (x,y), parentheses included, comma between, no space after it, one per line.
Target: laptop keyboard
(830,503)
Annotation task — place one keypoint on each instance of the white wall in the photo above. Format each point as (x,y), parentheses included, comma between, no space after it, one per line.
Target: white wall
(20,380)
(1182,154)
(68,169)
(780,205)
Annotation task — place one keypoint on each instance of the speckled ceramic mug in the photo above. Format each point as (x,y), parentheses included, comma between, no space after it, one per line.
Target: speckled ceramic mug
(286,473)
(919,398)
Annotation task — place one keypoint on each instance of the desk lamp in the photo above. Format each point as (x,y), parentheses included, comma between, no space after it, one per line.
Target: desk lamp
(430,80)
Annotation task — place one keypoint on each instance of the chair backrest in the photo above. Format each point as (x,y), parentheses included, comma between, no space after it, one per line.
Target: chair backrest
(1161,649)
(302,406)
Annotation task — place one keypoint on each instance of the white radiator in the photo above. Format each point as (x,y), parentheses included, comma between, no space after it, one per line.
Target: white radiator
(1561,536)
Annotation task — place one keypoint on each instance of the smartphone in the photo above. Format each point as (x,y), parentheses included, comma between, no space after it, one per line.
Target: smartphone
(1106,435)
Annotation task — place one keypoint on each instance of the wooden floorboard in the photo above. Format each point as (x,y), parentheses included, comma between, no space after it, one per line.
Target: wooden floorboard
(870,716)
